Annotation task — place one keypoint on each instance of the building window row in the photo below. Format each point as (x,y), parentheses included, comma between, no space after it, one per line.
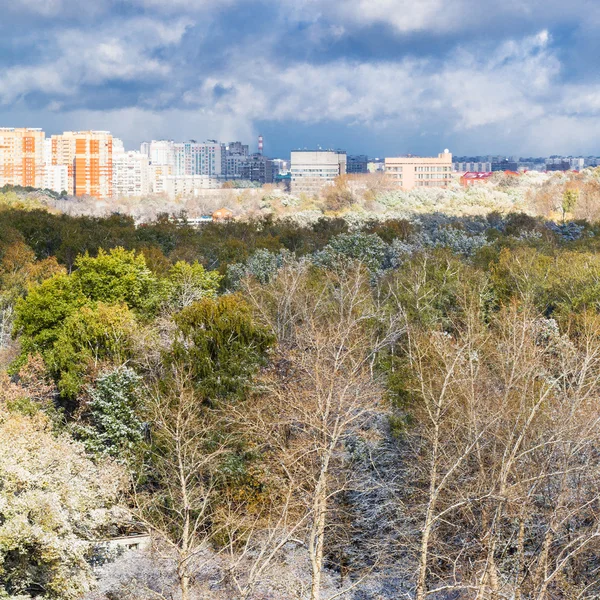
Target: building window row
(436,176)
(432,169)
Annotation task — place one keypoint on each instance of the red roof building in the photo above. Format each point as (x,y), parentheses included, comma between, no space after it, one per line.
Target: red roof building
(472,178)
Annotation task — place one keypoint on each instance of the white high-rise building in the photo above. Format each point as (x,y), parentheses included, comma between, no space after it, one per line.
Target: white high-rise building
(159,152)
(161,155)
(131,175)
(577,164)
(193,158)
(314,169)
(56,178)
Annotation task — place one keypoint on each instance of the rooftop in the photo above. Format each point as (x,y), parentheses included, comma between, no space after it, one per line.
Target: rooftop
(337,151)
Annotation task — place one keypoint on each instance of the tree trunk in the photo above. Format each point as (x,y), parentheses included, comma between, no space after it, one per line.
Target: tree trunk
(184,584)
(421,589)
(317,534)
(520,560)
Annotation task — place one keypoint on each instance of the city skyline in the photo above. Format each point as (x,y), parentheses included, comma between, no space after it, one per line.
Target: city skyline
(252,146)
(382,77)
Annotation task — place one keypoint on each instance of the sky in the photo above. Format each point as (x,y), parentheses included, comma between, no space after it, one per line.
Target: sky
(376,77)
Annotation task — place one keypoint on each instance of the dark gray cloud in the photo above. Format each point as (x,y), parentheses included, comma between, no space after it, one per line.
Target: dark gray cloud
(375,76)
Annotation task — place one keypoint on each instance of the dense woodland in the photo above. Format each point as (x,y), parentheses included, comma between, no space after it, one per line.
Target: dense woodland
(405,409)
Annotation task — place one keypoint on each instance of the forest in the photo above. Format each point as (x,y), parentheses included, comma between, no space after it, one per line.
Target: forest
(401,408)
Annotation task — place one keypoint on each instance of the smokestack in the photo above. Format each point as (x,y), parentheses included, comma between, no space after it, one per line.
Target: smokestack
(260,144)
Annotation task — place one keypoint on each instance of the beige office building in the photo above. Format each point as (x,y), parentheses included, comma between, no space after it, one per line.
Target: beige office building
(312,170)
(158,177)
(22,157)
(408,172)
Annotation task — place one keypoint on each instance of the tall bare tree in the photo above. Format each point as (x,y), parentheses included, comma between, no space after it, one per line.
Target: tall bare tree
(322,392)
(506,426)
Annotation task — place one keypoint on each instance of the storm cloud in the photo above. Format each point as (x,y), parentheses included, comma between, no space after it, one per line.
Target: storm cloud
(372,76)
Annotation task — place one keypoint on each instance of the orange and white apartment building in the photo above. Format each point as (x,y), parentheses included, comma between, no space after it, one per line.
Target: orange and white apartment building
(88,157)
(408,172)
(21,157)
(26,160)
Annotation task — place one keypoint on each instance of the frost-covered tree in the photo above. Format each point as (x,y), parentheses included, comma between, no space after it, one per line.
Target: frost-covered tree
(263,265)
(54,503)
(367,248)
(114,427)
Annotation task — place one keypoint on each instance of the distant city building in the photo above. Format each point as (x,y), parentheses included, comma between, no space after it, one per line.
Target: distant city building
(577,164)
(234,166)
(157,175)
(194,158)
(376,166)
(236,155)
(532,165)
(56,178)
(408,172)
(565,164)
(472,167)
(88,158)
(188,185)
(474,177)
(312,170)
(131,175)
(238,148)
(280,166)
(505,165)
(257,168)
(22,157)
(159,152)
(357,164)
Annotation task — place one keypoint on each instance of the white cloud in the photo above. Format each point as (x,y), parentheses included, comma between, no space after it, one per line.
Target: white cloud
(515,91)
(514,82)
(54,8)
(122,52)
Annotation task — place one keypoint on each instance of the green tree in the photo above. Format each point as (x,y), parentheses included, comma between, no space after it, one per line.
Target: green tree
(41,315)
(115,276)
(222,345)
(91,338)
(569,201)
(431,288)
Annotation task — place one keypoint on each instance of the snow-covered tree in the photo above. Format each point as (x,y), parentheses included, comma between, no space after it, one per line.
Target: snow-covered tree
(54,503)
(113,427)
